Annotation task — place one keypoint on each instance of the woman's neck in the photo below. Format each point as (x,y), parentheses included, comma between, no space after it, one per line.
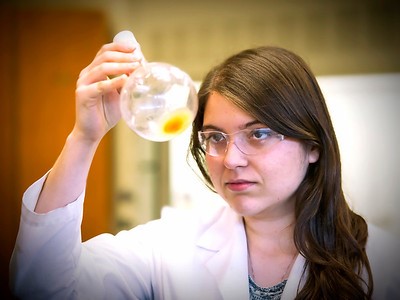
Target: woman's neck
(271,249)
(272,234)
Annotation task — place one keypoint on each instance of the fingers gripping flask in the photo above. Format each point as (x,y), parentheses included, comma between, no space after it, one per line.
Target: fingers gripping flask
(158,101)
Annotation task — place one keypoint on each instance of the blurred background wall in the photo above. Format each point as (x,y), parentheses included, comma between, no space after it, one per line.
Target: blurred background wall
(131,180)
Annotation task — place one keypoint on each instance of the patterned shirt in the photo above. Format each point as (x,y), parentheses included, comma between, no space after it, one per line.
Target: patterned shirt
(266,293)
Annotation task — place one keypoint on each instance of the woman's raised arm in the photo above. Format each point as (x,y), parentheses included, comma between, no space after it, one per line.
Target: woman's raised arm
(97,111)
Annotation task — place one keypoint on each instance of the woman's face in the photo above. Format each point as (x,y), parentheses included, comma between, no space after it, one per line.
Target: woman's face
(258,185)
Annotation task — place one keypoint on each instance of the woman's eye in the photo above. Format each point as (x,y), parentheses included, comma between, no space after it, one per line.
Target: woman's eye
(216,137)
(260,134)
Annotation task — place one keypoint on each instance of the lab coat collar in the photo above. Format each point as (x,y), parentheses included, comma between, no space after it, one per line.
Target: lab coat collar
(224,239)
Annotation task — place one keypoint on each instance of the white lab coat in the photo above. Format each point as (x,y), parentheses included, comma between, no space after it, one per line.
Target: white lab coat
(201,255)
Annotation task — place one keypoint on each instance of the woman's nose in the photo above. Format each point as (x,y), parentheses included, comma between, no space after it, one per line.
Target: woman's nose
(234,157)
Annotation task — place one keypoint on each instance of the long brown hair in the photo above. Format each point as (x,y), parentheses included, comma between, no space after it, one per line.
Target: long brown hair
(277,88)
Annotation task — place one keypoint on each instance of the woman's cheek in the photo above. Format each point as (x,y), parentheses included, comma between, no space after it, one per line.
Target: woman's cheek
(215,172)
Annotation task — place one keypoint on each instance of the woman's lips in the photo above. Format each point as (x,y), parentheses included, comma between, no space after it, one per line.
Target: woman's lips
(238,185)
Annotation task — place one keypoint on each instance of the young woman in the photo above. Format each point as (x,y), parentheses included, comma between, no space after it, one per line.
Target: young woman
(264,141)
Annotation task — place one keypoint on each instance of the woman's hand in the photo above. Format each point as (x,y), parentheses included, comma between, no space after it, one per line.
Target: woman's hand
(97,91)
(97,111)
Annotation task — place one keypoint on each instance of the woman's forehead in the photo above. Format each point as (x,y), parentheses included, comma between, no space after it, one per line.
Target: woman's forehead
(221,113)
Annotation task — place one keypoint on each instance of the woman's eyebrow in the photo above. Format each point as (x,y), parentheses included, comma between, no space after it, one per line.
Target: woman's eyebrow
(244,126)
(210,127)
(251,123)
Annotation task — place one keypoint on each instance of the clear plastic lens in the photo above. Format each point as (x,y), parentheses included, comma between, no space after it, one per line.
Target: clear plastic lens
(159,101)
(248,141)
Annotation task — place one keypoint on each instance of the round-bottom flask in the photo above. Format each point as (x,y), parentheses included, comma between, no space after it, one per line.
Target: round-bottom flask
(158,101)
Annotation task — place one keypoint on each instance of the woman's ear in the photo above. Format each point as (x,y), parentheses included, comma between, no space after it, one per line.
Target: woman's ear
(313,154)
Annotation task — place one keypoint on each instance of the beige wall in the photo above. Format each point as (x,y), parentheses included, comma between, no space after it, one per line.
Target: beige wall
(334,37)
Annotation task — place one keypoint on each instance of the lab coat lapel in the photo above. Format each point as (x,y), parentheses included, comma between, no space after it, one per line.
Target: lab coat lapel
(224,253)
(292,285)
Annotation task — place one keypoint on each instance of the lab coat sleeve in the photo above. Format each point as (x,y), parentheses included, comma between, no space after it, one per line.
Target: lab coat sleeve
(46,249)
(50,261)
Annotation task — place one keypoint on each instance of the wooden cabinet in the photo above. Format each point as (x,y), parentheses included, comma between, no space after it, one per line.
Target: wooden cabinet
(41,55)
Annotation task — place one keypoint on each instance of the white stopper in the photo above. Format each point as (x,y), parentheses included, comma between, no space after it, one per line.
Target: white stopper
(126,37)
